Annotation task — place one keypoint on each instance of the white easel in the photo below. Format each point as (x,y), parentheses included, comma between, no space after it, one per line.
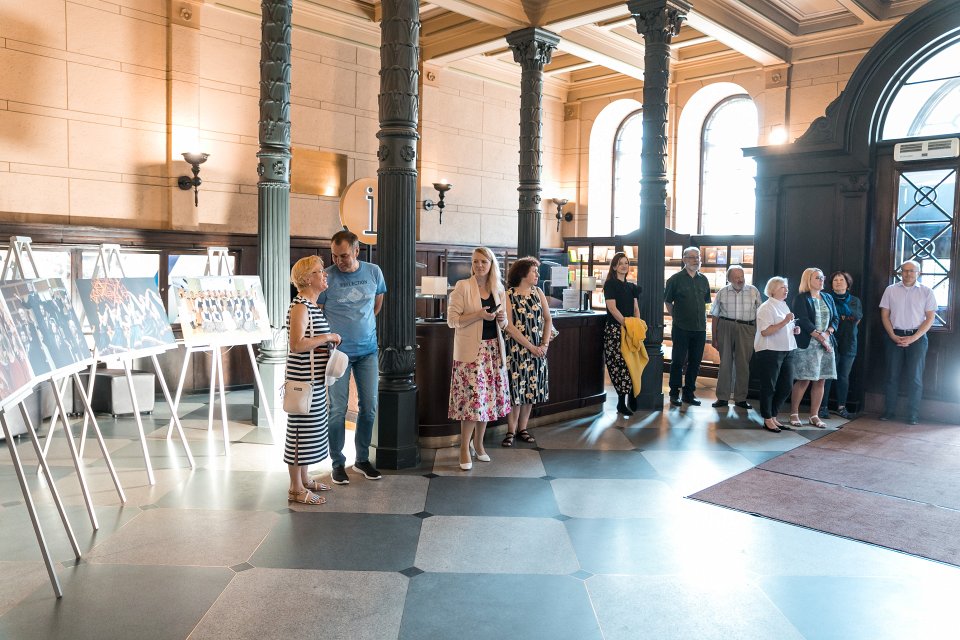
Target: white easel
(220,257)
(107,254)
(14,264)
(28,498)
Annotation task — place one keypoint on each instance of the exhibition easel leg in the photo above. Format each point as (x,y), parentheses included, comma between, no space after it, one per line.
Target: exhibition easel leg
(214,361)
(173,411)
(88,414)
(77,462)
(53,428)
(259,380)
(136,412)
(175,407)
(103,445)
(31,509)
(218,357)
(49,477)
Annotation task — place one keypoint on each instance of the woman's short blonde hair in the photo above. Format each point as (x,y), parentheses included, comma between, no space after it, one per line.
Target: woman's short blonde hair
(302,268)
(808,275)
(493,276)
(773,283)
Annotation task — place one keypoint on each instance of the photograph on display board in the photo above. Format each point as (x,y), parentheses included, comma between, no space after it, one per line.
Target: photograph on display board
(126,314)
(15,372)
(28,325)
(57,323)
(222,310)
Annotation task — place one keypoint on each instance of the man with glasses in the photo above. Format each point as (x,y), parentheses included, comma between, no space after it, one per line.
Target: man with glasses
(351,304)
(686,295)
(907,310)
(733,321)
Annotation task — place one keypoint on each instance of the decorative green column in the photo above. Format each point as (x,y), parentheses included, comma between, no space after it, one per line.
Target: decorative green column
(532,48)
(395,438)
(273,194)
(658,21)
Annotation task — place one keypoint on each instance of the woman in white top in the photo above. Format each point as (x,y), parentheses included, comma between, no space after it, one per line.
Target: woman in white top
(773,346)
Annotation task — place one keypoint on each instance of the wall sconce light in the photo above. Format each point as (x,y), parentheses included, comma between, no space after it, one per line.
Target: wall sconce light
(185,182)
(561,203)
(442,188)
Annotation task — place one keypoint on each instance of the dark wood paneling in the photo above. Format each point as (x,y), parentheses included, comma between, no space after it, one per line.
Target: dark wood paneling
(575,360)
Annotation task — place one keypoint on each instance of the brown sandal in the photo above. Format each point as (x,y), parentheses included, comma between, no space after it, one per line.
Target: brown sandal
(524,435)
(316,485)
(306,497)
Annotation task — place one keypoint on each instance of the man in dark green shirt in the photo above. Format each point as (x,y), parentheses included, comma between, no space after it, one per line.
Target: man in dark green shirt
(686,295)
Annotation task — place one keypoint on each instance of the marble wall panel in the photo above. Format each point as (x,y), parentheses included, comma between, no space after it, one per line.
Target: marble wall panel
(99,147)
(501,158)
(33,139)
(502,122)
(228,112)
(42,195)
(41,22)
(115,36)
(33,79)
(143,204)
(460,112)
(231,210)
(114,93)
(229,62)
(326,82)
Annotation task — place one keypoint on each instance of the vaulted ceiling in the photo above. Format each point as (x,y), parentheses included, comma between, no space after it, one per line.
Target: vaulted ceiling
(599,45)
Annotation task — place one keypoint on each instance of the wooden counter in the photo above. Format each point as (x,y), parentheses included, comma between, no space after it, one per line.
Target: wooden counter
(575,359)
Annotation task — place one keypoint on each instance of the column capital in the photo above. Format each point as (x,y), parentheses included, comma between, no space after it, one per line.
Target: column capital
(659,20)
(532,47)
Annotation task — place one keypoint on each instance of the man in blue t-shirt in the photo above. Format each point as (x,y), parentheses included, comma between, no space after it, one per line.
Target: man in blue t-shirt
(351,303)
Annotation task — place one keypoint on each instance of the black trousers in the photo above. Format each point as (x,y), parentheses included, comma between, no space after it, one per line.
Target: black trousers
(775,371)
(687,349)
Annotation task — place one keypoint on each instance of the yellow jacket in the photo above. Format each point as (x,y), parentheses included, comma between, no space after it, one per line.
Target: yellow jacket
(632,335)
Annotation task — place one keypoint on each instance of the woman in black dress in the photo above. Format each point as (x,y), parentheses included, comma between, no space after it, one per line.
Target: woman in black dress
(621,299)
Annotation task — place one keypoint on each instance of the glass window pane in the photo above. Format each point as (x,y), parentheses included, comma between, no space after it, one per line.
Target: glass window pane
(928,102)
(924,229)
(727,196)
(626,174)
(135,264)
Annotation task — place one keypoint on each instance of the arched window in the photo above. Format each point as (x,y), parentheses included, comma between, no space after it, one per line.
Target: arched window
(627,144)
(727,189)
(928,101)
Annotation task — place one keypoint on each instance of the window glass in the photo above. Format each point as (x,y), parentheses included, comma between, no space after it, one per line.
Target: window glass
(924,230)
(928,102)
(50,263)
(135,264)
(627,146)
(727,188)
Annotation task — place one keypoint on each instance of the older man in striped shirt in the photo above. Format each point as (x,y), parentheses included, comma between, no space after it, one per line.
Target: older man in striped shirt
(733,321)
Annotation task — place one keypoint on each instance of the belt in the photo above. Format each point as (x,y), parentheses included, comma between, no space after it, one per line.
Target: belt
(904,332)
(747,322)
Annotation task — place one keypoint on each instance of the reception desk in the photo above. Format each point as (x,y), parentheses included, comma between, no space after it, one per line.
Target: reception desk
(576,376)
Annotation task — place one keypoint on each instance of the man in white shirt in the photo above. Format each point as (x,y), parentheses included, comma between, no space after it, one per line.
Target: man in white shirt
(907,311)
(733,322)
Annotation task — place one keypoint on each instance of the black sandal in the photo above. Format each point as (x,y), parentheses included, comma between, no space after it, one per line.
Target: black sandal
(524,435)
(508,440)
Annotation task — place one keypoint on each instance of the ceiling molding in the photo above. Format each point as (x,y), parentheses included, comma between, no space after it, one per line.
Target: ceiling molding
(506,14)
(746,36)
(604,48)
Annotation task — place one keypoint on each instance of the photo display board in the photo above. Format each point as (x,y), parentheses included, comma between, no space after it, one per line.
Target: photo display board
(126,314)
(15,374)
(221,310)
(48,328)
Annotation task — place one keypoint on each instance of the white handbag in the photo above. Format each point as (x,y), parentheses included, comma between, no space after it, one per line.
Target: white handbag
(336,366)
(298,394)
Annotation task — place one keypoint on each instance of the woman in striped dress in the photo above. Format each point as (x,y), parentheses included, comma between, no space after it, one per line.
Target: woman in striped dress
(306,441)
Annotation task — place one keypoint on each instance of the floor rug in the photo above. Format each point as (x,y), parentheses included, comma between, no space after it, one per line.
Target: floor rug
(886,483)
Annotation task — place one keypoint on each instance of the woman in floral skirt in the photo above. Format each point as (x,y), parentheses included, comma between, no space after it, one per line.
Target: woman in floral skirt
(479,390)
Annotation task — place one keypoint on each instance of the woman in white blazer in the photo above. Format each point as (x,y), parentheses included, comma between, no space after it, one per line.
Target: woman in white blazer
(479,387)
